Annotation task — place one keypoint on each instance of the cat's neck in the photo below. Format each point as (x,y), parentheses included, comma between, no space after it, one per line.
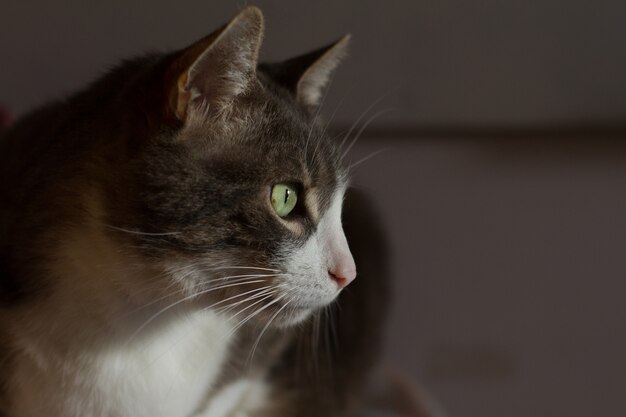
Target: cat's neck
(89,337)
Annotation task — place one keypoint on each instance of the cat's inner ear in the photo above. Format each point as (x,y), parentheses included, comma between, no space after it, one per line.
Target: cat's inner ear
(215,70)
(308,75)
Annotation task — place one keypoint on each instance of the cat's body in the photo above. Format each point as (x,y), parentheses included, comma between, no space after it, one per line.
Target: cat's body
(144,270)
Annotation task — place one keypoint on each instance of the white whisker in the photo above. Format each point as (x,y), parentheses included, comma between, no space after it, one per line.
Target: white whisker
(244,321)
(355,124)
(315,342)
(265,291)
(258,339)
(240,278)
(371,155)
(247,307)
(243,275)
(153,317)
(332,326)
(180,339)
(332,116)
(219,268)
(313,121)
(137,232)
(365,125)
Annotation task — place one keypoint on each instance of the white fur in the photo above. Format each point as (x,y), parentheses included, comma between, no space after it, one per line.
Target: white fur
(239,399)
(166,375)
(308,284)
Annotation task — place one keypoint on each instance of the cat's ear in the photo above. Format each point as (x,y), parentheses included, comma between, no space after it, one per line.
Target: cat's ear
(314,79)
(218,68)
(308,75)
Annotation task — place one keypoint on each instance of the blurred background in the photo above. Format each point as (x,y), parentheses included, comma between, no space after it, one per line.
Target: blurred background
(501,182)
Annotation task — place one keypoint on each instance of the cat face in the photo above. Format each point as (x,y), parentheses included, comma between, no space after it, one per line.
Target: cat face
(243,200)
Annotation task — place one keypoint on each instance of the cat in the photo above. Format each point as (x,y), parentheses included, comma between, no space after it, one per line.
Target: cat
(171,243)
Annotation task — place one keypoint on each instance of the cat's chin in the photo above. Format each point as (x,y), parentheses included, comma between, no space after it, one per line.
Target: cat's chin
(306,307)
(294,318)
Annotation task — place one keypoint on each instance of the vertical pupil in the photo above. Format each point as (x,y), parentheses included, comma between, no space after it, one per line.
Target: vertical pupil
(286,195)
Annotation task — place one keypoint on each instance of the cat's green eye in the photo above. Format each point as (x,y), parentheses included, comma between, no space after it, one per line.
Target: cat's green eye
(284,198)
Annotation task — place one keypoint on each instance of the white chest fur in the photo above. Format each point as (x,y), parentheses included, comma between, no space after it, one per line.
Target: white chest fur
(167,374)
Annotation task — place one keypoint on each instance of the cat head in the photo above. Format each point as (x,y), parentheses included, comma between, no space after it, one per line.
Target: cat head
(238,196)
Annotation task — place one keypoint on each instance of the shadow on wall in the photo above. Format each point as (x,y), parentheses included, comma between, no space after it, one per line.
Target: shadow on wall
(508,266)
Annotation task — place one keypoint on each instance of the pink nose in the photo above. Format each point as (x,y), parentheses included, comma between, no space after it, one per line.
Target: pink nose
(342,276)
